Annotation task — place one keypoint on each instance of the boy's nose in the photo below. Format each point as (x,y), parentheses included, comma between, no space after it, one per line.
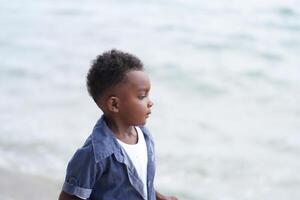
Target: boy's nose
(150,104)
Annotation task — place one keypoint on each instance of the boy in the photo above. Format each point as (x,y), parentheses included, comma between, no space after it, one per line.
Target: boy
(117,160)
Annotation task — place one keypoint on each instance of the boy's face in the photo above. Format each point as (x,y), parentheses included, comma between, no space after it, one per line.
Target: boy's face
(134,102)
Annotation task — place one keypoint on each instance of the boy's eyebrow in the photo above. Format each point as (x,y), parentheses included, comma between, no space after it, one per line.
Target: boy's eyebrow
(143,89)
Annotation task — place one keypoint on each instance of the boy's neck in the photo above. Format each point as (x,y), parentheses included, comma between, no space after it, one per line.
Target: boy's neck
(125,133)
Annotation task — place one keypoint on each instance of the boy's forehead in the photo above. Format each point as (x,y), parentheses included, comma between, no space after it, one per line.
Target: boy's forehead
(137,79)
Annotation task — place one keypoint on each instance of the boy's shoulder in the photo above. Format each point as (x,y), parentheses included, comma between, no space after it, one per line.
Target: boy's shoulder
(101,143)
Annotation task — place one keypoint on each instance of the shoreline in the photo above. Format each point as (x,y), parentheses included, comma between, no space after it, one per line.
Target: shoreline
(20,186)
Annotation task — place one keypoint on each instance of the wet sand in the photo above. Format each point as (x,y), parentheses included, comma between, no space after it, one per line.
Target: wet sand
(17,186)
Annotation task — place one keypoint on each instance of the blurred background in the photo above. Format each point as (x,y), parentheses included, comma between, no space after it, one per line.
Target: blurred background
(225,83)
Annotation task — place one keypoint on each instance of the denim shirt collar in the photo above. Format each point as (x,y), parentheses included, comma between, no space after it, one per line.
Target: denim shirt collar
(104,141)
(105,144)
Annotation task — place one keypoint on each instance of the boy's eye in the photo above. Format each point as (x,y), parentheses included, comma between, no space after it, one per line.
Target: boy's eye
(141,97)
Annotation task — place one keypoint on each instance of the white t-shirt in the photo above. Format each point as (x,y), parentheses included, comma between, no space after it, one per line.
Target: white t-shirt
(138,155)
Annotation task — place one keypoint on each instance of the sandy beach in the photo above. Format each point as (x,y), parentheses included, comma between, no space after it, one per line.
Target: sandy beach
(17,186)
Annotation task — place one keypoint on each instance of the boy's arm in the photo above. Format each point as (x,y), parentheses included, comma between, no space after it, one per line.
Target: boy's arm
(162,197)
(65,196)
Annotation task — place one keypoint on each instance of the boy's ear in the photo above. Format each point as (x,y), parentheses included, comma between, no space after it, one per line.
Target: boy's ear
(113,104)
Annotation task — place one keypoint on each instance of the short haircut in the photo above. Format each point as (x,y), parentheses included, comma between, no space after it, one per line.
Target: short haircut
(109,69)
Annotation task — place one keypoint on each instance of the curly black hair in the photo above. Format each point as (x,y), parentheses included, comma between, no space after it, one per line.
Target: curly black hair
(109,69)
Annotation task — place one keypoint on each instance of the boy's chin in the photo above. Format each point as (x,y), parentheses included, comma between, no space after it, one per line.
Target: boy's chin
(141,123)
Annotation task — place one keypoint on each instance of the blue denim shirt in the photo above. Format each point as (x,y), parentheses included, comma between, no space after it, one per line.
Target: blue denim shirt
(101,169)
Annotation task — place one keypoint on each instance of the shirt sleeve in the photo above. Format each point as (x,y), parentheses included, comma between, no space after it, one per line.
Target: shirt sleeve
(81,173)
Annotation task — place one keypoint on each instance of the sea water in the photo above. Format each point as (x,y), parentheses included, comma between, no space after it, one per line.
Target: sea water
(225,84)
